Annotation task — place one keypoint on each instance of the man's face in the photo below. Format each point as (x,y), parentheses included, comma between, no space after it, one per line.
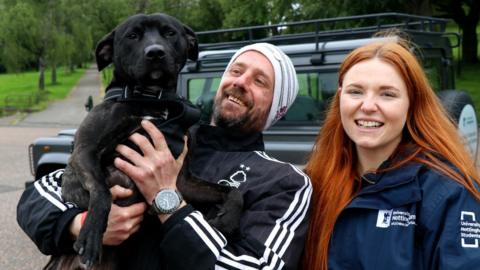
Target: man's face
(245,94)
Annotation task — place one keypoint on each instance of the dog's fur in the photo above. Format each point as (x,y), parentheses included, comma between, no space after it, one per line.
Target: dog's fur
(147,52)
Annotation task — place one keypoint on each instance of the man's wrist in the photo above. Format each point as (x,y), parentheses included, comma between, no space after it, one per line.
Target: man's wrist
(164,217)
(166,201)
(76,225)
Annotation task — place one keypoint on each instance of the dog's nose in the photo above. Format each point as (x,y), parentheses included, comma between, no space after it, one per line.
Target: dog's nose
(154,52)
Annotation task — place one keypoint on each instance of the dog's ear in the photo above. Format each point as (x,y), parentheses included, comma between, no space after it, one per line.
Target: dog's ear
(192,43)
(104,51)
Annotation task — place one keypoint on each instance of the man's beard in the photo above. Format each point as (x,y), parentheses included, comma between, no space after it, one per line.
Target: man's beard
(228,122)
(249,121)
(235,122)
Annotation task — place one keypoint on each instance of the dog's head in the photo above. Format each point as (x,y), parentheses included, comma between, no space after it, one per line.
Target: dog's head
(147,50)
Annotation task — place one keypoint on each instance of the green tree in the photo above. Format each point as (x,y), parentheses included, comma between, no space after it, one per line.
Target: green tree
(77,34)
(101,16)
(19,46)
(206,15)
(466,13)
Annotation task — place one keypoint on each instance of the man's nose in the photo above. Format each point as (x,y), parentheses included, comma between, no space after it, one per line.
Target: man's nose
(154,52)
(241,81)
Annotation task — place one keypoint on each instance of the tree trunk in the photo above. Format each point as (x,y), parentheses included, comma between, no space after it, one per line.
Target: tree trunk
(54,73)
(41,68)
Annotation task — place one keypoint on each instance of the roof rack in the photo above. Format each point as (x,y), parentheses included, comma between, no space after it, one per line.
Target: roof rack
(320,30)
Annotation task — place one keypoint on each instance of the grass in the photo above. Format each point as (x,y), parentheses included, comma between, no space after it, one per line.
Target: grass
(20,90)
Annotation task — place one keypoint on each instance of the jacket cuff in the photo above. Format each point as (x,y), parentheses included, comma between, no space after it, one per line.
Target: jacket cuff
(63,238)
(177,217)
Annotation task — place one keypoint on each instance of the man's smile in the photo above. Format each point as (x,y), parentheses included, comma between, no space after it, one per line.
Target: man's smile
(235,100)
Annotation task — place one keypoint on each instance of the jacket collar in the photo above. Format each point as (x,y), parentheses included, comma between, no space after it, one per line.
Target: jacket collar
(392,188)
(221,139)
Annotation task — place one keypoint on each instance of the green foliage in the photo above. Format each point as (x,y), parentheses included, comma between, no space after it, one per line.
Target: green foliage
(19,44)
(64,32)
(206,15)
(244,13)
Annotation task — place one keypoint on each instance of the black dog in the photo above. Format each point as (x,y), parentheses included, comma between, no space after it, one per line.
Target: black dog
(148,52)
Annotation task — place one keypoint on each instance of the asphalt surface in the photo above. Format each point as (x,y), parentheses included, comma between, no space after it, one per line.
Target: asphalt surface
(16,133)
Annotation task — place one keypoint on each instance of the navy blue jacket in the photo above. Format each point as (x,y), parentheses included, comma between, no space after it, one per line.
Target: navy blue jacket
(410,218)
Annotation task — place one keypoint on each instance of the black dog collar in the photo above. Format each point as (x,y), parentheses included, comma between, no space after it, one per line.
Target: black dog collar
(125,94)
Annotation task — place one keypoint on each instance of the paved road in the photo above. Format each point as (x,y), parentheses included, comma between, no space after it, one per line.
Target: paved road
(16,132)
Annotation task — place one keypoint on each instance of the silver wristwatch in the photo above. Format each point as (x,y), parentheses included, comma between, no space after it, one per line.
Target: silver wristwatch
(166,201)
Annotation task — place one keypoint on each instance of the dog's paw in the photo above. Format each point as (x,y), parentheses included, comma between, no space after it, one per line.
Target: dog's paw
(227,219)
(89,247)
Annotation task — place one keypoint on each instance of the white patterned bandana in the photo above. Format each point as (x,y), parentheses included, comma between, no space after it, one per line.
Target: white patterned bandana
(285,84)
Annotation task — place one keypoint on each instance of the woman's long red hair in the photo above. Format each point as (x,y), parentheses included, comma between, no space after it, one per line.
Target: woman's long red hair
(331,166)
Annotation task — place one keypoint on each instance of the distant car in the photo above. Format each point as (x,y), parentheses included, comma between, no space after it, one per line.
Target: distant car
(317,48)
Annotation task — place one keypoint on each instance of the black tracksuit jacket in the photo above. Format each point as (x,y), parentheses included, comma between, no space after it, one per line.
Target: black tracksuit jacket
(273,225)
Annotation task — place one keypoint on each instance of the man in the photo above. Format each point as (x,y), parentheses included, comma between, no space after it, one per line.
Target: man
(256,90)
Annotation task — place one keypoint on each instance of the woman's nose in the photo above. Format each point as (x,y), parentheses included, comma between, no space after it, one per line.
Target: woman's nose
(369,104)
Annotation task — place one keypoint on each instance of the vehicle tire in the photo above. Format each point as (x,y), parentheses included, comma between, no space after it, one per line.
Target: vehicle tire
(460,106)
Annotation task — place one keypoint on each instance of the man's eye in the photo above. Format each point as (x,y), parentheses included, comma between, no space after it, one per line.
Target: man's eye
(235,71)
(260,82)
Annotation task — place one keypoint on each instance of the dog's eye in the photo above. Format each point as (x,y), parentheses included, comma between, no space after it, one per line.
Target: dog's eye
(170,33)
(132,35)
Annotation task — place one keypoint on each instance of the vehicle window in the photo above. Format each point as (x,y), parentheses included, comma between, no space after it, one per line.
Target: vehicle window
(315,90)
(201,92)
(433,70)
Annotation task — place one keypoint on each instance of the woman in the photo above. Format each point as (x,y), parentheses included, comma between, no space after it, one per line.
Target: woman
(397,189)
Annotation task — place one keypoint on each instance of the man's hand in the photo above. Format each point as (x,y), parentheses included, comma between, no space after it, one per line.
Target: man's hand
(122,221)
(157,168)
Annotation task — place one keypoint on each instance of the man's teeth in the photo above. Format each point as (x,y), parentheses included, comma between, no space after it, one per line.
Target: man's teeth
(368,124)
(236,100)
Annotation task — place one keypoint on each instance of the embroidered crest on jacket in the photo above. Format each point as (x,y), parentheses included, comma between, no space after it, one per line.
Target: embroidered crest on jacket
(237,178)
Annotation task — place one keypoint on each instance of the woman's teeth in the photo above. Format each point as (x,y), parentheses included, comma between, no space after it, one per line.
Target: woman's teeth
(369,124)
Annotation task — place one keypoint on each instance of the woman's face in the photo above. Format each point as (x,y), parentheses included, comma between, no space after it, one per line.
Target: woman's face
(373,106)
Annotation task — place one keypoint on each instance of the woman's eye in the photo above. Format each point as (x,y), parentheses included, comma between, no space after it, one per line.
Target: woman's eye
(354,91)
(389,94)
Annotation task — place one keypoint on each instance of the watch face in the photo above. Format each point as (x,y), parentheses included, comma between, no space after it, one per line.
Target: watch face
(167,200)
